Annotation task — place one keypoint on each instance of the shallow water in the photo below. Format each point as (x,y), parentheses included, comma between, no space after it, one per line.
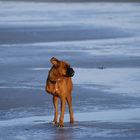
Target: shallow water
(99,40)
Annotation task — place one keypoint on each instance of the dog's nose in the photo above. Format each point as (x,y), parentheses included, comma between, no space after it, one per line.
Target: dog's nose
(70,72)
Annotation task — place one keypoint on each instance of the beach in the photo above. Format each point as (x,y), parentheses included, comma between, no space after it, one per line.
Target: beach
(101,41)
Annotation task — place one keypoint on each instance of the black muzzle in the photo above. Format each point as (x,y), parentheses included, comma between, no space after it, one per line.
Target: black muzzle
(70,72)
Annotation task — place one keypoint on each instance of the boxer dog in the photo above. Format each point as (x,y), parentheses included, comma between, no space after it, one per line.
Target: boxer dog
(59,84)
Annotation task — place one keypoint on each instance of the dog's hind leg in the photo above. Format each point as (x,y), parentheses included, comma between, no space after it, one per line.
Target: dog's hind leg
(69,101)
(55,103)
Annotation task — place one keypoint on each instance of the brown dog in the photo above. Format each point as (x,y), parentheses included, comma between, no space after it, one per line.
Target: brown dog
(59,84)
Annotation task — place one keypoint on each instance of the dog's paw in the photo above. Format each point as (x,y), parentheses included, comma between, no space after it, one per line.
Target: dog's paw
(54,123)
(60,125)
(71,121)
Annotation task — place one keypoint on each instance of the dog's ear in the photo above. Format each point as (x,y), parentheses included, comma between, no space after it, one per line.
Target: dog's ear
(55,61)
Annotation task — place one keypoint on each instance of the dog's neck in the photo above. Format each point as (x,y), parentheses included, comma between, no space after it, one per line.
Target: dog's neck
(56,80)
(52,81)
(55,76)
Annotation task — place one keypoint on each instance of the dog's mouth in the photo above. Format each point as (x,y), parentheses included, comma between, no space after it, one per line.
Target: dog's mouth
(70,72)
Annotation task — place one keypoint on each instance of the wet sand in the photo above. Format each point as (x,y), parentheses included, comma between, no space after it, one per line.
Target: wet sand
(60,33)
(106,59)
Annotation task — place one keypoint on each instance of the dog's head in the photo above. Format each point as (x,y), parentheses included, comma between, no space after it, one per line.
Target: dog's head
(62,67)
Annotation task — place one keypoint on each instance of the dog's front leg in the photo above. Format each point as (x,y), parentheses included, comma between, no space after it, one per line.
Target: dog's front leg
(55,103)
(69,101)
(63,106)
